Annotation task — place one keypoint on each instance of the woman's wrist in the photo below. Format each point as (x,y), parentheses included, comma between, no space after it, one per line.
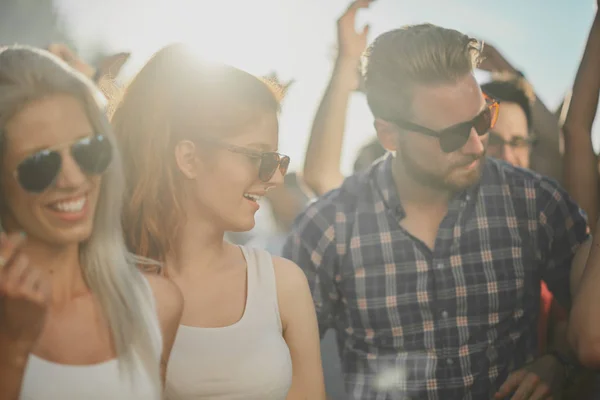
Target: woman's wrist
(14,352)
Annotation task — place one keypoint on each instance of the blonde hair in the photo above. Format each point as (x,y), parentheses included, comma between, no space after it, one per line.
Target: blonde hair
(401,59)
(28,74)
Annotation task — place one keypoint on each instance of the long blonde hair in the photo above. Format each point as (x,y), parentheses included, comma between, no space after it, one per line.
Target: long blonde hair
(27,74)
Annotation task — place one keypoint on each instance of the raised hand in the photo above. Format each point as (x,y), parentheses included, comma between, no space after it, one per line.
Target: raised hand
(63,52)
(494,61)
(24,294)
(352,43)
(110,65)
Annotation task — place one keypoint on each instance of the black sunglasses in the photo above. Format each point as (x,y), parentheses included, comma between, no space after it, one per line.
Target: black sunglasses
(516,142)
(455,137)
(37,172)
(270,161)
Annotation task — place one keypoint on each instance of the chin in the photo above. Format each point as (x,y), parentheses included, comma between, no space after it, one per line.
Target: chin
(62,233)
(464,180)
(67,237)
(242,225)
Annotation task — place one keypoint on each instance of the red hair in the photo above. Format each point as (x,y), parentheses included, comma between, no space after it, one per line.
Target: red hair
(175,97)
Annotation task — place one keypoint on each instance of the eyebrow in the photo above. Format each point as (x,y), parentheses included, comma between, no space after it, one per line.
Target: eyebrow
(513,134)
(260,146)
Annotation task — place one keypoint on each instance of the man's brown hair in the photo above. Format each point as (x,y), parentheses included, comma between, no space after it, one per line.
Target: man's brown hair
(401,59)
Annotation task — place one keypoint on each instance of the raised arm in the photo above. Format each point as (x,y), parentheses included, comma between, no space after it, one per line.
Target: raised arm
(580,162)
(109,66)
(24,296)
(584,325)
(324,153)
(544,122)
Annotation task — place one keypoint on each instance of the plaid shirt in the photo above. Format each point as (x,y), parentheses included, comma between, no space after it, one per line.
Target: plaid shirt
(451,323)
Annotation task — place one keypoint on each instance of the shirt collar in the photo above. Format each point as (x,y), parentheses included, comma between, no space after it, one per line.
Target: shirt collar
(386,186)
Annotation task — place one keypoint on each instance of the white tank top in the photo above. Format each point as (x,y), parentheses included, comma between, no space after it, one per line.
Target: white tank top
(45,380)
(248,360)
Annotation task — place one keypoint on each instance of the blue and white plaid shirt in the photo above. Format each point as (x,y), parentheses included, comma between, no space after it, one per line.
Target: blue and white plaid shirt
(446,324)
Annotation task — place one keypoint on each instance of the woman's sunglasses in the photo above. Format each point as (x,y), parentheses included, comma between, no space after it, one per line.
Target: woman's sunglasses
(270,161)
(455,137)
(37,172)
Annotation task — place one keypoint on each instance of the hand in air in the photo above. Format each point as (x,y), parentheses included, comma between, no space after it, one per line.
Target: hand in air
(109,66)
(494,61)
(63,52)
(352,43)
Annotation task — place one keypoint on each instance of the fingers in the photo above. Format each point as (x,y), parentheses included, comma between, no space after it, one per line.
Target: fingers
(13,276)
(542,392)
(9,246)
(112,64)
(354,7)
(22,280)
(35,287)
(366,30)
(62,51)
(527,387)
(511,384)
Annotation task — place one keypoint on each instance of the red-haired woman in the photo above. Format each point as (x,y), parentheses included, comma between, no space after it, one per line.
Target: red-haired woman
(199,143)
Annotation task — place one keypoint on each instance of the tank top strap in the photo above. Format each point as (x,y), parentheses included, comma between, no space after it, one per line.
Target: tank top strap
(262,275)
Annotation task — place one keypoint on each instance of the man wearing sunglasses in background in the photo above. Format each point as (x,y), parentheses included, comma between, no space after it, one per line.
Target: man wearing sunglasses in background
(512,140)
(428,264)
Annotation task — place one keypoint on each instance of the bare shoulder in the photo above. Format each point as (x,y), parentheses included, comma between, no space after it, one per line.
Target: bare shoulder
(293,293)
(288,276)
(169,300)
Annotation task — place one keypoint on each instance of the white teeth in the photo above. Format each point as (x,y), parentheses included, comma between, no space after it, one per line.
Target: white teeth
(252,197)
(70,206)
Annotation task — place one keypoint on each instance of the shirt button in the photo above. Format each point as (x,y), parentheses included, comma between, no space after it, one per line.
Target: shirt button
(444,314)
(449,361)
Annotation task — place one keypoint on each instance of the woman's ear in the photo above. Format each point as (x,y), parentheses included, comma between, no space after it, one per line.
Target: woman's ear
(185,157)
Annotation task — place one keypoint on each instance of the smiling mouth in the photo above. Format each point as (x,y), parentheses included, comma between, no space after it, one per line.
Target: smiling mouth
(252,197)
(73,205)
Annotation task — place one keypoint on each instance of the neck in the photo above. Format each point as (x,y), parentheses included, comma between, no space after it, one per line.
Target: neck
(59,264)
(411,191)
(200,246)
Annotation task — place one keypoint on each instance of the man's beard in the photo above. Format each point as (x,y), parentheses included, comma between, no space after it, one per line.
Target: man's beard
(434,181)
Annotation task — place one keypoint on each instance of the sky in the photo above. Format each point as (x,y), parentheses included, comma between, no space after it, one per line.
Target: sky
(296,38)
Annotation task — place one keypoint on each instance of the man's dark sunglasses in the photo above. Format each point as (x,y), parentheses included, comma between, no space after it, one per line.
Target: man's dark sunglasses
(516,142)
(270,161)
(38,171)
(455,137)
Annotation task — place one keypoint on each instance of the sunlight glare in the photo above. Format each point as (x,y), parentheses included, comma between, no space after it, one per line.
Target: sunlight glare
(234,32)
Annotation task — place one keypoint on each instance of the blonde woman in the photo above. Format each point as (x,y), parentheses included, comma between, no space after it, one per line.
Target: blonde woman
(77,318)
